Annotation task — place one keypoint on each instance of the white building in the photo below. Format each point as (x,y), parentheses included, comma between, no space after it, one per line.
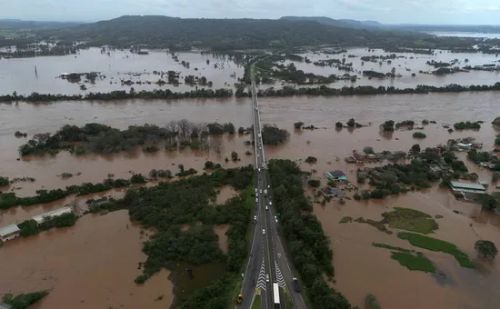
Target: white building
(466,187)
(9,232)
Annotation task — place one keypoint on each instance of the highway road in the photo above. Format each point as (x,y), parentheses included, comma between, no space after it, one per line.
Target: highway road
(268,262)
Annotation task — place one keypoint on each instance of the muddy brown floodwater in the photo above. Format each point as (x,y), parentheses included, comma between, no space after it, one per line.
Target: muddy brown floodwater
(41,74)
(81,258)
(405,64)
(90,265)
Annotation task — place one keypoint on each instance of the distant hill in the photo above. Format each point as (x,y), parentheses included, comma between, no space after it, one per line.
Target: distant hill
(229,34)
(223,34)
(346,23)
(26,24)
(450,28)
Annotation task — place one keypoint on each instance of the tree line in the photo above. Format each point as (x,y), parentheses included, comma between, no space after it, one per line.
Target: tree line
(307,243)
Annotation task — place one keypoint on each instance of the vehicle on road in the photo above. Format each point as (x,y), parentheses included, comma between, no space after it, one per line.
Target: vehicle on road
(296,285)
(254,218)
(276,219)
(276,296)
(263,231)
(267,277)
(239,299)
(267,207)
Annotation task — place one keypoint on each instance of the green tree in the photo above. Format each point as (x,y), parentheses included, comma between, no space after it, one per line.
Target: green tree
(486,249)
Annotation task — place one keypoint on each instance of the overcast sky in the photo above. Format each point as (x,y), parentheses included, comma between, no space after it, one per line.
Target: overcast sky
(387,11)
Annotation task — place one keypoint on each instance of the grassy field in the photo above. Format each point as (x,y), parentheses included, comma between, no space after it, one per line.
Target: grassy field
(414,261)
(386,246)
(434,244)
(410,220)
(408,258)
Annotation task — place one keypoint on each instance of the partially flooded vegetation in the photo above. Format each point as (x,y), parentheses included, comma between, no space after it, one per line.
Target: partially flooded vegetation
(364,147)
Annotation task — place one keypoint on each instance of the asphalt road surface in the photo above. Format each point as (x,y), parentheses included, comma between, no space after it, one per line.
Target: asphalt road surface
(268,262)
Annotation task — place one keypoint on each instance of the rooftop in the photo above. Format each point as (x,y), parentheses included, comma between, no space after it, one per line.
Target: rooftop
(9,229)
(468,186)
(336,174)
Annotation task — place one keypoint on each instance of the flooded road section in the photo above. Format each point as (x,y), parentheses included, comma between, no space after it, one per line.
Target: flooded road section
(69,257)
(42,74)
(90,265)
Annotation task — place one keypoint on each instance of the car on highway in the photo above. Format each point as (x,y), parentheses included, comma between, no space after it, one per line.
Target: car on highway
(296,286)
(267,207)
(254,218)
(267,277)
(275,219)
(263,231)
(270,203)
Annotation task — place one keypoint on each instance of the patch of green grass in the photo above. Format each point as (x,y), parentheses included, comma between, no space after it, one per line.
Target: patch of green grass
(256,302)
(413,261)
(434,244)
(410,220)
(386,246)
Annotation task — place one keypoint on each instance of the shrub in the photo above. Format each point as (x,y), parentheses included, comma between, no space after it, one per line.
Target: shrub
(388,126)
(4,181)
(371,302)
(311,160)
(419,135)
(137,179)
(486,249)
(298,125)
(314,183)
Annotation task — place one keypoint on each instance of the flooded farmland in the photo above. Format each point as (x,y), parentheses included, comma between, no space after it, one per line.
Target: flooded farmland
(410,70)
(86,262)
(117,70)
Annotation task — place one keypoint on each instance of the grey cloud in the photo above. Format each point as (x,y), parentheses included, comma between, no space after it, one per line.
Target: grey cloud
(389,11)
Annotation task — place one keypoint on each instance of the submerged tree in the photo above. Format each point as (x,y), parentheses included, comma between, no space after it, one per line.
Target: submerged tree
(486,249)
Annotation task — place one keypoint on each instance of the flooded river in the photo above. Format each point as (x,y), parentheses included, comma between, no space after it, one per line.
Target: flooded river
(90,265)
(80,258)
